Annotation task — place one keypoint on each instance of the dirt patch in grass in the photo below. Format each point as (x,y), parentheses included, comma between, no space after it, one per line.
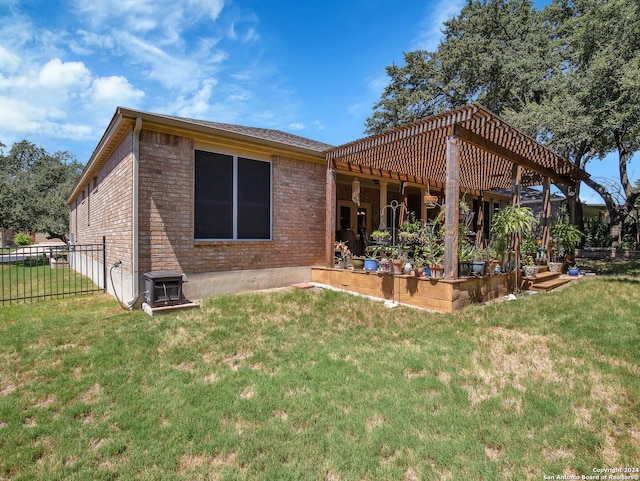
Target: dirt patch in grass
(192,464)
(237,360)
(411,474)
(93,395)
(374,422)
(6,386)
(508,357)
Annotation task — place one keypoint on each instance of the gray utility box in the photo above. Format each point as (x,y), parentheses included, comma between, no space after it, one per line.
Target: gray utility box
(163,288)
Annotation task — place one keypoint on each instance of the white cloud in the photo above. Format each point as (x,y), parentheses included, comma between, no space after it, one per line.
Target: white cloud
(84,43)
(165,18)
(115,90)
(59,99)
(181,72)
(296,126)
(431,26)
(9,62)
(59,75)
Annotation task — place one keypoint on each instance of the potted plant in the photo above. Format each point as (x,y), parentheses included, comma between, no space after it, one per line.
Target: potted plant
(508,222)
(397,260)
(420,266)
(566,237)
(380,237)
(529,248)
(530,269)
(342,254)
(409,233)
(357,263)
(465,254)
(431,249)
(573,270)
(479,258)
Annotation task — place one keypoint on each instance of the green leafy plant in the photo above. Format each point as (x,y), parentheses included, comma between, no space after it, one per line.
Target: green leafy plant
(565,234)
(22,239)
(509,221)
(380,236)
(465,253)
(529,247)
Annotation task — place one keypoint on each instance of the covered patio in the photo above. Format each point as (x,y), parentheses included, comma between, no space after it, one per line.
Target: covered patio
(468,151)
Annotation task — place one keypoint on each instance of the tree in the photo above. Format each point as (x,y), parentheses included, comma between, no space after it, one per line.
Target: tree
(568,75)
(34,186)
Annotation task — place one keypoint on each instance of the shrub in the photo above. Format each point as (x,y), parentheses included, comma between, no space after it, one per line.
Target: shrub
(22,239)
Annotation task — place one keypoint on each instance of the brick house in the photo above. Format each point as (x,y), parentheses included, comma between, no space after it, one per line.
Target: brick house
(154,183)
(239,208)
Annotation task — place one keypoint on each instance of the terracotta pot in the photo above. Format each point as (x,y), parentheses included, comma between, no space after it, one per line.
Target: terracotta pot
(397,266)
(437,271)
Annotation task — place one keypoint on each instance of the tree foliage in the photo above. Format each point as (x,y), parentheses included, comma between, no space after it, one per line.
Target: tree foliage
(568,75)
(34,186)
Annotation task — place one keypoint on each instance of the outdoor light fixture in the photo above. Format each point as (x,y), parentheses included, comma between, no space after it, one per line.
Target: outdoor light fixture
(571,191)
(430,201)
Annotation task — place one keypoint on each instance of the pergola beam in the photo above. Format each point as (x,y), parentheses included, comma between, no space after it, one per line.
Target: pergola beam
(488,146)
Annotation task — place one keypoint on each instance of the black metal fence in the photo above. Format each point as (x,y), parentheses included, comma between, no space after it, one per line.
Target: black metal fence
(40,272)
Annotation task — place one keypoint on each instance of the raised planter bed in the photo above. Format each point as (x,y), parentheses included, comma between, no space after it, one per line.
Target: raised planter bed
(434,294)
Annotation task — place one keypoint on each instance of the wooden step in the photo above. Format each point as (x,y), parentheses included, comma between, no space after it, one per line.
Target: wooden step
(543,276)
(527,283)
(548,285)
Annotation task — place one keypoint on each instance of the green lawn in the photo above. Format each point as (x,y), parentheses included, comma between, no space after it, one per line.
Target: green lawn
(36,280)
(318,385)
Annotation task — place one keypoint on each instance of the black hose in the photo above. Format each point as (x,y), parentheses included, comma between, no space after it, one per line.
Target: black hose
(117,264)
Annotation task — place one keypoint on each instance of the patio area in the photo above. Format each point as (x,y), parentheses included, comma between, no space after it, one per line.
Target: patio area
(434,167)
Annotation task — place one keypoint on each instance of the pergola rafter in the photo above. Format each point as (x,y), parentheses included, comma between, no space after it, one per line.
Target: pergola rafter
(489,147)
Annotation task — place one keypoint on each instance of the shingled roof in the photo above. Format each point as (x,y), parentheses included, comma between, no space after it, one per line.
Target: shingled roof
(489,147)
(259,133)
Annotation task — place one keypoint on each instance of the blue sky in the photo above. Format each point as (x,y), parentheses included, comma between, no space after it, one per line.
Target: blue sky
(310,68)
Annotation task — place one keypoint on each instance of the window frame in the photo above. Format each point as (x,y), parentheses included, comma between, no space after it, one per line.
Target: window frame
(236,156)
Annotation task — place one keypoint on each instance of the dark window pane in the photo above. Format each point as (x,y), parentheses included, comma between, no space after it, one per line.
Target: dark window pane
(213,196)
(254,199)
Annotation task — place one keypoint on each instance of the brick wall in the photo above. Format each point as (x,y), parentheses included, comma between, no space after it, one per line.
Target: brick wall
(166,214)
(104,207)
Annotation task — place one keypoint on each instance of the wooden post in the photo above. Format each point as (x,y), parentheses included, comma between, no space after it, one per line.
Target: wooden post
(452,211)
(571,199)
(546,215)
(423,207)
(384,183)
(516,184)
(480,240)
(516,181)
(330,215)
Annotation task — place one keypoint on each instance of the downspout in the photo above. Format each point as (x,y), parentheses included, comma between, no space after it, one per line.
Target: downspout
(134,224)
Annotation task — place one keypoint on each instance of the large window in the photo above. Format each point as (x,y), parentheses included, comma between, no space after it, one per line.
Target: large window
(232,197)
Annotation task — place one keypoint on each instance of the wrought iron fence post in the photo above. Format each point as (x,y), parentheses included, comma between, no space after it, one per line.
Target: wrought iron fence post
(104,263)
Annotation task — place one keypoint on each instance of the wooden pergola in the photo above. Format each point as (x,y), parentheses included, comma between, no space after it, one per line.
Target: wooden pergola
(469,149)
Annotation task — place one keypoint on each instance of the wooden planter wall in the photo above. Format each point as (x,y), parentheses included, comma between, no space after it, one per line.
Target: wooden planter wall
(442,295)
